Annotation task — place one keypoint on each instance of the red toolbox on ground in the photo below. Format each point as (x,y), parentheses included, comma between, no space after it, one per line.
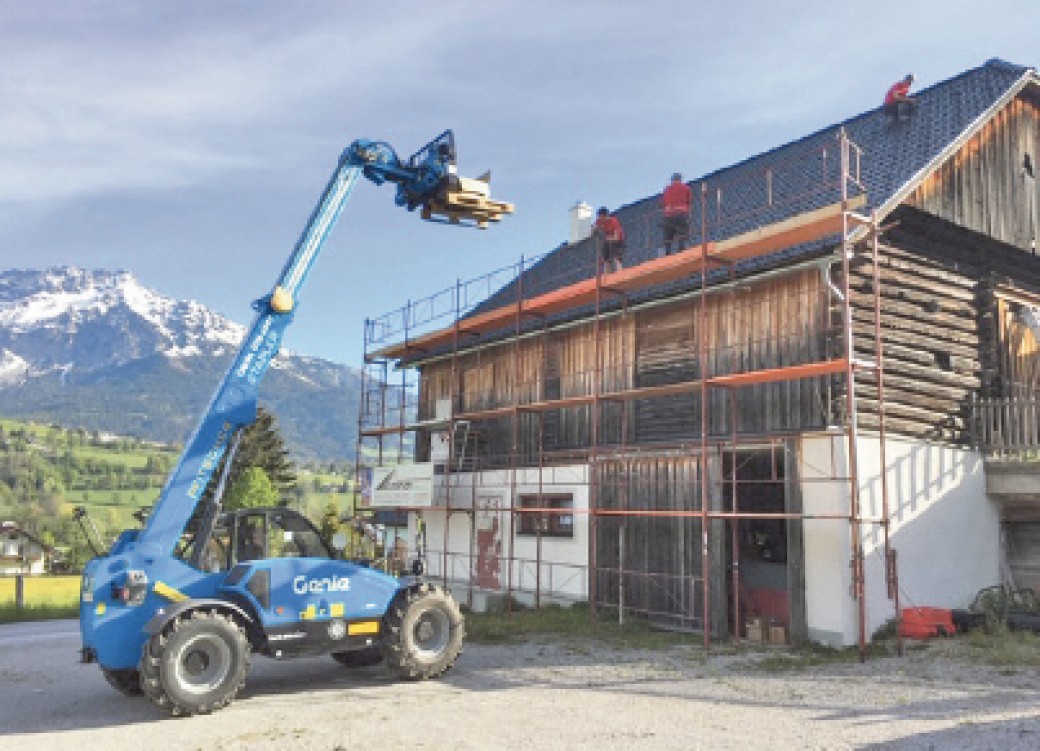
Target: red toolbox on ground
(924,623)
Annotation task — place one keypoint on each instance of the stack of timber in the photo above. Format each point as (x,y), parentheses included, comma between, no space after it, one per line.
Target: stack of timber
(466,199)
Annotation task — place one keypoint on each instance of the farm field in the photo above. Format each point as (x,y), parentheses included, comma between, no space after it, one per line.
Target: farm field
(42,590)
(47,471)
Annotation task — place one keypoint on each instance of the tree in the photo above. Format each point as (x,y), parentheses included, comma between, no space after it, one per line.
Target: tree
(329,521)
(261,446)
(51,503)
(253,488)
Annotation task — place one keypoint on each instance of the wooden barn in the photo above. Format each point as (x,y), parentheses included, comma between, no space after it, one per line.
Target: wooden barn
(818,411)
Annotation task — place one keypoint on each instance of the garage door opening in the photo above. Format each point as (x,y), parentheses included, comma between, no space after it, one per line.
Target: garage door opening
(758,589)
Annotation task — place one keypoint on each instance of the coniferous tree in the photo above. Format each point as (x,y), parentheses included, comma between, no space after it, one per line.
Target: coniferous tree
(261,446)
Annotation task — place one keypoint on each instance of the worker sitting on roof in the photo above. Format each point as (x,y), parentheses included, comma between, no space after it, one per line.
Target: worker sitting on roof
(898,102)
(610,238)
(675,206)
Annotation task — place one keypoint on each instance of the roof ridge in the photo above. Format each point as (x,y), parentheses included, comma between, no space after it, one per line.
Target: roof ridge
(993,62)
(895,156)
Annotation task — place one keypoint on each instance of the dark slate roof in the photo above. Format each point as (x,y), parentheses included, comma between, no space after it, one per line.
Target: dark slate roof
(805,176)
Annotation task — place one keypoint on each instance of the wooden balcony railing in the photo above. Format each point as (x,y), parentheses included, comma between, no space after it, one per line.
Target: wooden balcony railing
(1007,428)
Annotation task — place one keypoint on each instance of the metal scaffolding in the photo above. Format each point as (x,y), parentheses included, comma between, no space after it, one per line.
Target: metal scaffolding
(392,420)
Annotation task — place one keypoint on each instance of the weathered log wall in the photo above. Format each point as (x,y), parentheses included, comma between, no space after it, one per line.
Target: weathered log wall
(770,324)
(940,324)
(786,320)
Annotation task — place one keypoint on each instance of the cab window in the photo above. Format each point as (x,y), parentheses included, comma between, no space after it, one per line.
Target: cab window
(251,538)
(217,556)
(294,537)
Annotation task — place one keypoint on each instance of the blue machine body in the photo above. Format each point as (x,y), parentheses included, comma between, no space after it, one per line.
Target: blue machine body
(295,609)
(140,581)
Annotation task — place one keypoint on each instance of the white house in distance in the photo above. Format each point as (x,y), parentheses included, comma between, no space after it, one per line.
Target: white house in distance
(803,417)
(20,552)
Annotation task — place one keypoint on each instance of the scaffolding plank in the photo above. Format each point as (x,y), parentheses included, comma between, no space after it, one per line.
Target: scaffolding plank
(799,229)
(790,373)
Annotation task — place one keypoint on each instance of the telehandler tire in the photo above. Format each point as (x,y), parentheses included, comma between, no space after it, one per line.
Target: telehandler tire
(196,664)
(127,682)
(424,630)
(359,658)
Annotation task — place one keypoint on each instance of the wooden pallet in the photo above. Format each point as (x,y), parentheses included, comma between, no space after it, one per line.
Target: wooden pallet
(456,207)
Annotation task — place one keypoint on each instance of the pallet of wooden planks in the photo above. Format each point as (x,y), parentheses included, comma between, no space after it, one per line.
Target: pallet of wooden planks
(466,200)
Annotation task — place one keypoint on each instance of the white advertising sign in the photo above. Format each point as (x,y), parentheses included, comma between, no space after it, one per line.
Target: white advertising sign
(403,485)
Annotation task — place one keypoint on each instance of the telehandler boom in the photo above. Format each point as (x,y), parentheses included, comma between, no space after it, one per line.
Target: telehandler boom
(175,610)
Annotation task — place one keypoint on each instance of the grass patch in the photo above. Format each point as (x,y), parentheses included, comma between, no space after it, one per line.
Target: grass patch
(573,622)
(794,659)
(802,658)
(10,614)
(1002,648)
(42,591)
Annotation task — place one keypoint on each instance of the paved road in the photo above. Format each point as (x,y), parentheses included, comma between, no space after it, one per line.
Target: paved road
(18,635)
(49,700)
(552,695)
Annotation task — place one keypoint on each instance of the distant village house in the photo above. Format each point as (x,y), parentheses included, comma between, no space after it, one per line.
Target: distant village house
(21,552)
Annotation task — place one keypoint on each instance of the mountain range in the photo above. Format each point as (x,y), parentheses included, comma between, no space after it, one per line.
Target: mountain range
(98,350)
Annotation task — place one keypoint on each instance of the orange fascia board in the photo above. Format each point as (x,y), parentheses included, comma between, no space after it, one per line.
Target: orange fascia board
(799,229)
(794,372)
(788,233)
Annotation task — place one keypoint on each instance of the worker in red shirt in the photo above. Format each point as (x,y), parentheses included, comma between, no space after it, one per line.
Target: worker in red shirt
(898,102)
(611,239)
(675,208)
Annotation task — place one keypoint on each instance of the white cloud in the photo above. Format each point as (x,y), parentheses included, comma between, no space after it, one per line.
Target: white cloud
(96,114)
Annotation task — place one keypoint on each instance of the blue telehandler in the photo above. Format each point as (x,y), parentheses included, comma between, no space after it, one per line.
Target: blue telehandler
(176,608)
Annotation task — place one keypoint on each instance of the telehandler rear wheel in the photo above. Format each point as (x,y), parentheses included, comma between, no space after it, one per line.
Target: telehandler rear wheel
(424,633)
(196,664)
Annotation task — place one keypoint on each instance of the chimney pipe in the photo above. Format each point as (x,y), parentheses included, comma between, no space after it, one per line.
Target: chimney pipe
(581,222)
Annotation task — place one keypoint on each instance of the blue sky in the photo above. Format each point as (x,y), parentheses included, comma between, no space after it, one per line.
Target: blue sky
(187,142)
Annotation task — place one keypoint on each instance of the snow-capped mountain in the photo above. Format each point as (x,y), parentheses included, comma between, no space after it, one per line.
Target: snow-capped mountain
(65,318)
(97,349)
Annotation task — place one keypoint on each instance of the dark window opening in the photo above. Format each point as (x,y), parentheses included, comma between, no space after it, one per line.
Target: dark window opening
(943,360)
(551,520)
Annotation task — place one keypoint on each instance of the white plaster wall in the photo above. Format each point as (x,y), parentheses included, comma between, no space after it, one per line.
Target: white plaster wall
(829,612)
(944,528)
(560,569)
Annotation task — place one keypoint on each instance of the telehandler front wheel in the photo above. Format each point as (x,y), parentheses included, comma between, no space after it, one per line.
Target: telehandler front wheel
(196,664)
(424,633)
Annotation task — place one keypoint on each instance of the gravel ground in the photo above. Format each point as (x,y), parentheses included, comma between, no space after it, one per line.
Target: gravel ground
(548,694)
